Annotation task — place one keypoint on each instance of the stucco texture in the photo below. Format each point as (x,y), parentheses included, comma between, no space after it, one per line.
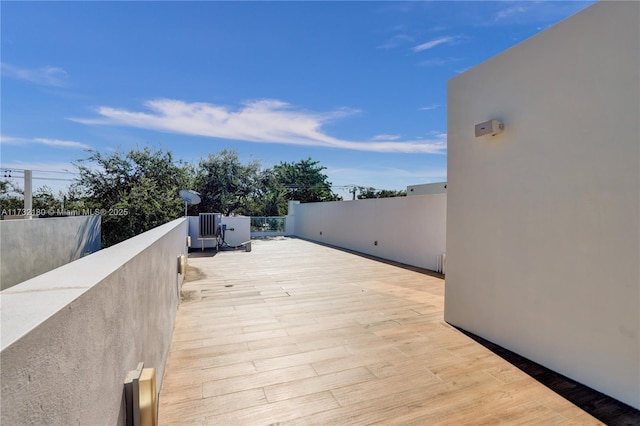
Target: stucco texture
(543,220)
(30,247)
(77,330)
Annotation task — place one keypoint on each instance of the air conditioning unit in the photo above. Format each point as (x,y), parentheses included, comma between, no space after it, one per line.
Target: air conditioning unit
(210,225)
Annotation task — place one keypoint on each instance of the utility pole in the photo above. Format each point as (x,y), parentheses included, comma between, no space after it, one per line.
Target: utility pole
(28,193)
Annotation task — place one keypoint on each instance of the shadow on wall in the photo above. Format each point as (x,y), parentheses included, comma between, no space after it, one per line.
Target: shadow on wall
(88,237)
(31,247)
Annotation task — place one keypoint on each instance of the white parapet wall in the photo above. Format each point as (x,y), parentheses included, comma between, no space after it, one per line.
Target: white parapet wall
(427,188)
(543,237)
(409,230)
(70,336)
(30,247)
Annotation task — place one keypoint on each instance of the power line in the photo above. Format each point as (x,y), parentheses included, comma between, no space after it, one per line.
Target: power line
(11,173)
(13,169)
(57,179)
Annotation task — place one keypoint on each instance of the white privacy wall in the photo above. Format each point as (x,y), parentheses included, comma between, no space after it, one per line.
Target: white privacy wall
(30,247)
(544,219)
(70,336)
(410,230)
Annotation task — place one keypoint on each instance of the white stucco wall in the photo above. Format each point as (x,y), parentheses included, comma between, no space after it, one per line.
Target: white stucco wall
(410,230)
(544,219)
(69,336)
(427,188)
(238,229)
(30,247)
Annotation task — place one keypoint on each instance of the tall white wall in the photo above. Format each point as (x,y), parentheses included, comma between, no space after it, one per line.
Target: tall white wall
(410,230)
(69,336)
(30,247)
(544,219)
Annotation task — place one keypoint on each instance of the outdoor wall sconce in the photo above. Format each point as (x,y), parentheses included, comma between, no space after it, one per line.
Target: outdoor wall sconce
(140,396)
(182,264)
(491,127)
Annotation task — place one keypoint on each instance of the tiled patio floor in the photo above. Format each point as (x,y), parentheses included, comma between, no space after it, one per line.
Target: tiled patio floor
(298,333)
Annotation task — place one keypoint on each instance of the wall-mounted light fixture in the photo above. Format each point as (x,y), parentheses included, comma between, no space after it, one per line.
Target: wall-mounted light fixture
(140,397)
(182,264)
(491,127)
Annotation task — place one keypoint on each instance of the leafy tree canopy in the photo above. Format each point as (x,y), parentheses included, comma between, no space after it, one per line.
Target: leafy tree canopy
(134,191)
(10,197)
(225,184)
(368,192)
(137,190)
(304,181)
(269,197)
(43,199)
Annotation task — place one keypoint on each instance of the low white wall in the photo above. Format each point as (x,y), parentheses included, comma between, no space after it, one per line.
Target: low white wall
(238,229)
(30,247)
(69,336)
(410,230)
(427,188)
(544,218)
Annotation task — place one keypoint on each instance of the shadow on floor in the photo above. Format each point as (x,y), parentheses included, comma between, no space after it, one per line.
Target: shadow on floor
(197,252)
(379,259)
(604,408)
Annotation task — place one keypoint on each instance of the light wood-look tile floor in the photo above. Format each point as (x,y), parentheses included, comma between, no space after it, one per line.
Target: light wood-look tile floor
(299,333)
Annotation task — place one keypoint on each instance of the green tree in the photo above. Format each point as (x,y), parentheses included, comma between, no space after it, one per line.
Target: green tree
(134,191)
(74,200)
(43,199)
(11,198)
(268,198)
(305,182)
(369,192)
(226,185)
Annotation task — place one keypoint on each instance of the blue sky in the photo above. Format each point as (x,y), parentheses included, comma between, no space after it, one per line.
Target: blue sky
(358,86)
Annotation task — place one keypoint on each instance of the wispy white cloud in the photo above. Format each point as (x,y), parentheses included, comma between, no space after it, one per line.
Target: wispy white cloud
(395,41)
(461,70)
(262,121)
(534,12)
(61,143)
(428,108)
(433,43)
(510,11)
(44,76)
(428,174)
(438,62)
(11,139)
(384,177)
(56,143)
(386,137)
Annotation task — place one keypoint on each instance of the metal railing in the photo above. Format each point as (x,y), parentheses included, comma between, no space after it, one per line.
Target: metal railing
(267,224)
